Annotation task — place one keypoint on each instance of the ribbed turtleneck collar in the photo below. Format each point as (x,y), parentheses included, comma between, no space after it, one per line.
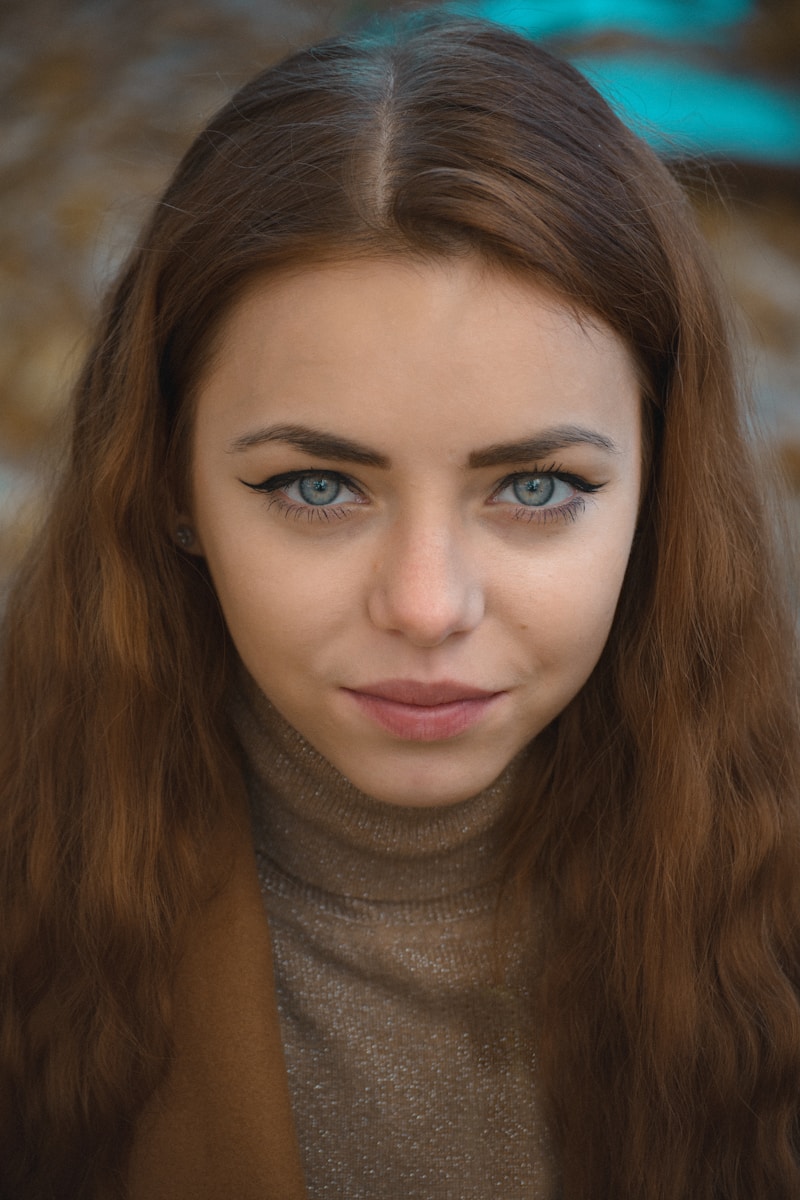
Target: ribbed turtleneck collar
(318,828)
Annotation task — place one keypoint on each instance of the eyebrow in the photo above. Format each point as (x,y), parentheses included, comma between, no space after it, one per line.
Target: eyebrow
(313,441)
(340,449)
(559,437)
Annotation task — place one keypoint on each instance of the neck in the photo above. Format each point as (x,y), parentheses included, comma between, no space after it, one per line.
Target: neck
(316,827)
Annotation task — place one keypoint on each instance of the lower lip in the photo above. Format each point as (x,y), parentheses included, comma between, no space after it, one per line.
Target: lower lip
(425,723)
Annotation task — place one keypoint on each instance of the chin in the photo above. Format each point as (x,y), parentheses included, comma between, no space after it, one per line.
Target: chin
(423,787)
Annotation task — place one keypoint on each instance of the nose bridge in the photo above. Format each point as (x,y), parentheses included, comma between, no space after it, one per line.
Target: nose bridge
(426,583)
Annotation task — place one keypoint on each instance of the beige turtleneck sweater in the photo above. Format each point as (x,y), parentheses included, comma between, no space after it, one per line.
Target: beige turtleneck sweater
(409,1051)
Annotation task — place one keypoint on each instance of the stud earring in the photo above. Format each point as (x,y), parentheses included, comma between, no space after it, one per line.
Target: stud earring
(184,536)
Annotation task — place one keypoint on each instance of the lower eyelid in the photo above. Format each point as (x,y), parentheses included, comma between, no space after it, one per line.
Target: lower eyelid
(530,514)
(323,512)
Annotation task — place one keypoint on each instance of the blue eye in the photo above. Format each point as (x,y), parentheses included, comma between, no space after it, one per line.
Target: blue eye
(535,490)
(538,491)
(318,490)
(313,493)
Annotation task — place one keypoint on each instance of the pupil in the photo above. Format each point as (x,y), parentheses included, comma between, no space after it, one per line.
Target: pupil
(319,489)
(535,490)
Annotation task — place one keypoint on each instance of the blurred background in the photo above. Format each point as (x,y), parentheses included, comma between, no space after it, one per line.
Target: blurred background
(100,97)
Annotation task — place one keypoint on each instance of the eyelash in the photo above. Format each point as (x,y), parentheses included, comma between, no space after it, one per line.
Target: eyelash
(567,511)
(272,487)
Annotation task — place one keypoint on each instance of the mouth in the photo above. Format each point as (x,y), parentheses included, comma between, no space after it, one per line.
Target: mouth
(424,712)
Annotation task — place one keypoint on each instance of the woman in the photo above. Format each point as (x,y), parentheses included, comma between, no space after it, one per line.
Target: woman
(409,539)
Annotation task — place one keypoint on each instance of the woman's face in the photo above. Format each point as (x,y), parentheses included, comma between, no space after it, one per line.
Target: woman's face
(416,487)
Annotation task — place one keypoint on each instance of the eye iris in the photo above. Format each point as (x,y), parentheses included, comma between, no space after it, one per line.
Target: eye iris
(534,490)
(319,489)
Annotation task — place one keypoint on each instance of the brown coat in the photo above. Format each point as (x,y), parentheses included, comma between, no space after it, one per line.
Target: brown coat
(222,1128)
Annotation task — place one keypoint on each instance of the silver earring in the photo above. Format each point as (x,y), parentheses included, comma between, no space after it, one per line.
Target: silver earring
(184,536)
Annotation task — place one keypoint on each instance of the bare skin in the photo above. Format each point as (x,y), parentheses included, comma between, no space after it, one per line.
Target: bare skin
(416,487)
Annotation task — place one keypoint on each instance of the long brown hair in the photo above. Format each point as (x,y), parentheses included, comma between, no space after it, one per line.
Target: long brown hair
(663,835)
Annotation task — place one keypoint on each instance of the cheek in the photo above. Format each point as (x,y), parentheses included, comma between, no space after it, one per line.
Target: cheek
(278,611)
(566,615)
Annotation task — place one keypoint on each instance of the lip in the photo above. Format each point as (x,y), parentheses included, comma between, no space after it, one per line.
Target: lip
(423,712)
(412,691)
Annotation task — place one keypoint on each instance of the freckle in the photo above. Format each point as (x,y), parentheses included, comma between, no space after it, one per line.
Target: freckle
(523,626)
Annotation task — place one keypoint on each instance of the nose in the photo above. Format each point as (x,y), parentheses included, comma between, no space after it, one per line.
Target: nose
(425,587)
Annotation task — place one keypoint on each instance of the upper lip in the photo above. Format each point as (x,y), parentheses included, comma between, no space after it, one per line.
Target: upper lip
(411,691)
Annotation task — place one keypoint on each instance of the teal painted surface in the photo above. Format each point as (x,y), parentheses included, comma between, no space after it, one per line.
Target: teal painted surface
(681,106)
(660,18)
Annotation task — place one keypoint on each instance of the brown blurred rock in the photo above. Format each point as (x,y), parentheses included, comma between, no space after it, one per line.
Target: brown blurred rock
(771,40)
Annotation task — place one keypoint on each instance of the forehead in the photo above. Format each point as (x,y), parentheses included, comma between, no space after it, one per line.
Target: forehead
(444,349)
